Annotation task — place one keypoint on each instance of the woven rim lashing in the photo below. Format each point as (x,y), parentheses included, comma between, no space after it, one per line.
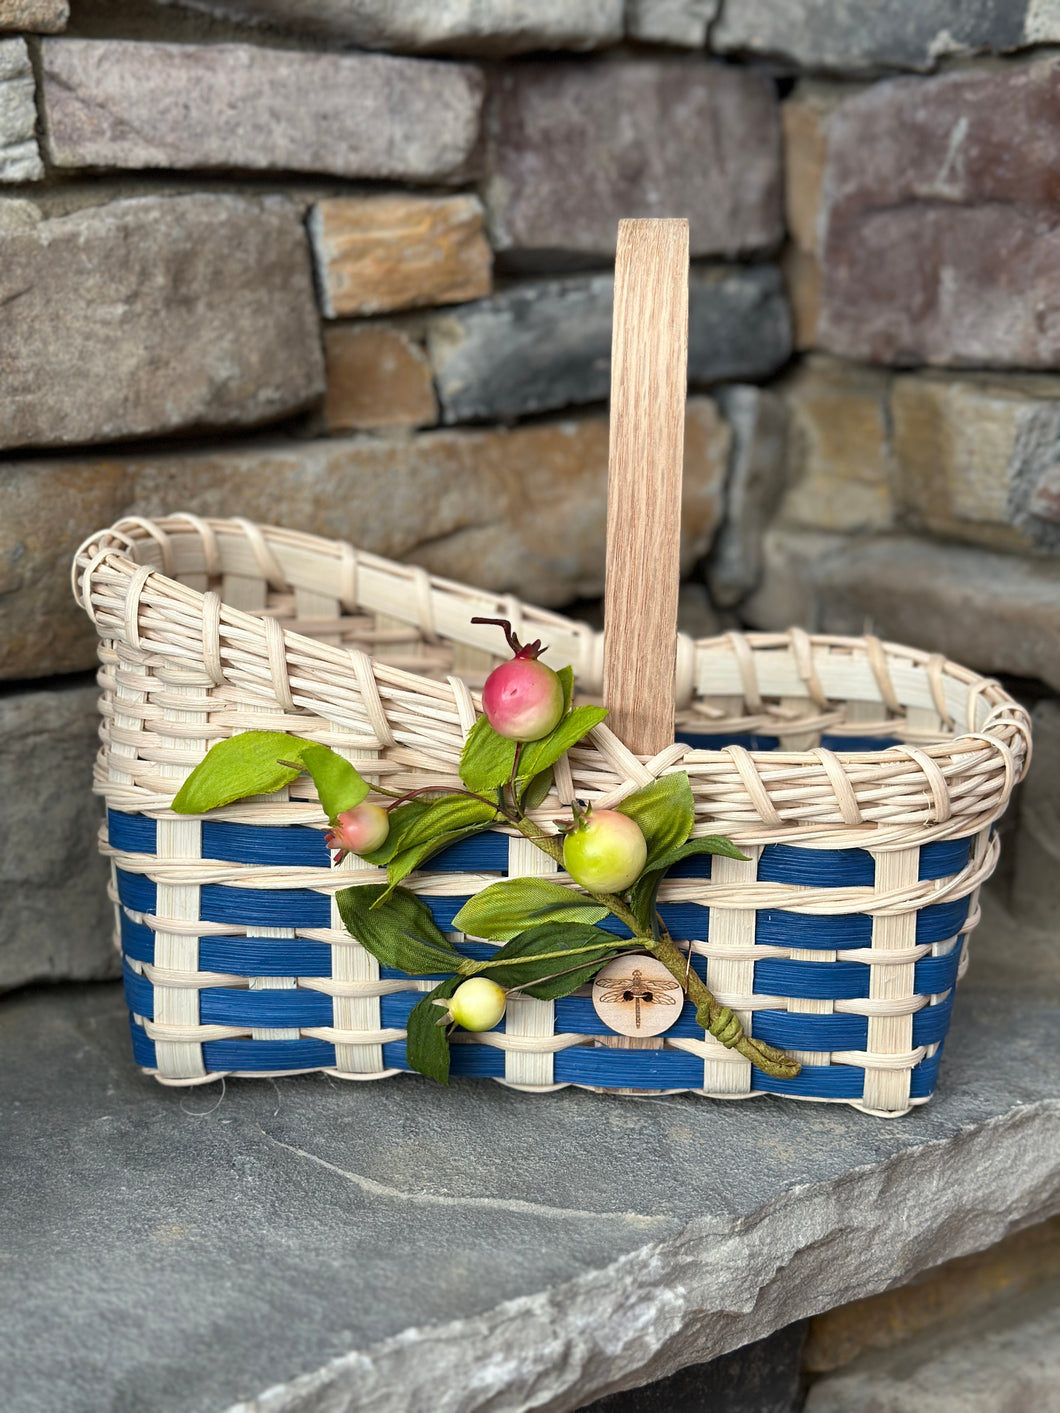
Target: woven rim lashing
(861,778)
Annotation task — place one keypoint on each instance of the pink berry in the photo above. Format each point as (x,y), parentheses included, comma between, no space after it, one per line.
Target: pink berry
(359,831)
(605,851)
(523,699)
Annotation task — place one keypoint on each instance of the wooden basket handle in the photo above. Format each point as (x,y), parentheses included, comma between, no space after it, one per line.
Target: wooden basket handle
(649,373)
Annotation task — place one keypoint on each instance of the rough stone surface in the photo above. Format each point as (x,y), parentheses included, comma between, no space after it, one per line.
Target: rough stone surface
(377,253)
(848,36)
(995,612)
(573,148)
(762,1377)
(680,22)
(144,316)
(956,1290)
(436,26)
(1008,1358)
(838,454)
(36,16)
(55,921)
(390,1247)
(1035,892)
(758,418)
(377,377)
(522,510)
(972,455)
(547,343)
(940,236)
(111,103)
(19,154)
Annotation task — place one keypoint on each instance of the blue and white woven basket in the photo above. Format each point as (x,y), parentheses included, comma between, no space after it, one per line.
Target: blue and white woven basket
(862,780)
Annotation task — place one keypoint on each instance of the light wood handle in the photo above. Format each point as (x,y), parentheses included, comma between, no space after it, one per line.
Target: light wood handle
(649,372)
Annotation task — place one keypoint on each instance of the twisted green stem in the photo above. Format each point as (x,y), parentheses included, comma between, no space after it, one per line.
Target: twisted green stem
(722,1023)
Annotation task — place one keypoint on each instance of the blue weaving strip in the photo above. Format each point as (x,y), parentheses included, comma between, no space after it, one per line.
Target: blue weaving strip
(607,1069)
(298,846)
(843,981)
(761,742)
(301,907)
(222,1005)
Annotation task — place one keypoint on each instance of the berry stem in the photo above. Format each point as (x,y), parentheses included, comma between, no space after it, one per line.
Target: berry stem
(719,1020)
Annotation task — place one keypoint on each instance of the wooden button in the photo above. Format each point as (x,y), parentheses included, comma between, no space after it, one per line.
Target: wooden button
(637,996)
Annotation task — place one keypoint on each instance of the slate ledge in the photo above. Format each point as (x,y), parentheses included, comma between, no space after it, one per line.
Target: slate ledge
(386,1247)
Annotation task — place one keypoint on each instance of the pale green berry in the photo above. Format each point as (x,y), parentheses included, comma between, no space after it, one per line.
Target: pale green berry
(478,1003)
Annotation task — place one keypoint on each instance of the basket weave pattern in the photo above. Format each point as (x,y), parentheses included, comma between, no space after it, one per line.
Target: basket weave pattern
(861,779)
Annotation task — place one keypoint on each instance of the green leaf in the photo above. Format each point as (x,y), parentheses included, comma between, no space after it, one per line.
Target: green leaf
(427,1042)
(259,762)
(247,764)
(505,909)
(665,811)
(537,755)
(400,933)
(707,844)
(401,820)
(338,784)
(444,822)
(554,947)
(642,898)
(487,758)
(536,790)
(566,681)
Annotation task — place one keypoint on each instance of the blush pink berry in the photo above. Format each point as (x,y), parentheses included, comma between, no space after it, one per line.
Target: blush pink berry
(359,831)
(523,699)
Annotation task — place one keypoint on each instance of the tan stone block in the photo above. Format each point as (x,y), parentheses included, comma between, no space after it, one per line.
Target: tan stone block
(951,1291)
(520,510)
(376,377)
(802,278)
(838,459)
(34,16)
(803,119)
(966,454)
(804,126)
(378,253)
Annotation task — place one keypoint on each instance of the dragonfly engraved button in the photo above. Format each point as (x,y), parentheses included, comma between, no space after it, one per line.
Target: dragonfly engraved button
(637,996)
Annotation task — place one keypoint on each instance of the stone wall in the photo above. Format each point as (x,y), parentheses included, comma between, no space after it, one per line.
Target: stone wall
(347,268)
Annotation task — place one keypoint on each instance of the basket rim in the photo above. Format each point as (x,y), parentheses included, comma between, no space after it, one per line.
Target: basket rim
(105,568)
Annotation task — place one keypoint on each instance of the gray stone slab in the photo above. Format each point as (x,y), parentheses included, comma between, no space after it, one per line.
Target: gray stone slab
(991,611)
(55,920)
(115,103)
(546,344)
(759,422)
(299,1245)
(679,22)
(146,316)
(573,148)
(19,154)
(436,26)
(1006,1358)
(849,36)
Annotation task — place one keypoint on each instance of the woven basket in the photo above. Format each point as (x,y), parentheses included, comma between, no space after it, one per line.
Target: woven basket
(862,779)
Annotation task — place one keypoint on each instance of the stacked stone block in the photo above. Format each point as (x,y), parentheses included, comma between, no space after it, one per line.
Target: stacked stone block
(347,268)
